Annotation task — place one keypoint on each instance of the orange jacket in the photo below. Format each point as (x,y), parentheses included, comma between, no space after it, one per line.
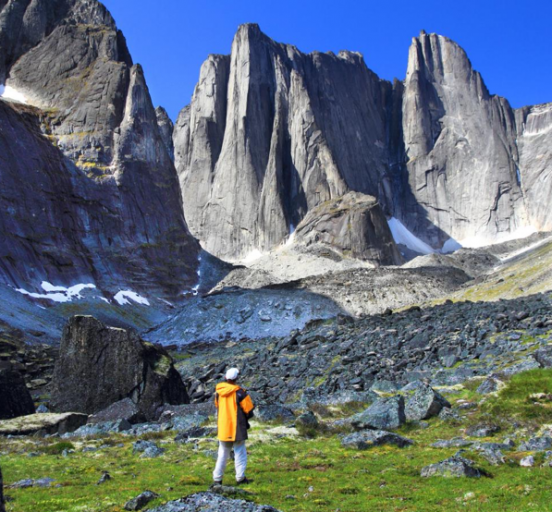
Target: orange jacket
(235,407)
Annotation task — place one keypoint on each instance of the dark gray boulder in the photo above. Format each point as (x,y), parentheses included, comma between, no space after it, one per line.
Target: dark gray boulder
(453,467)
(100,365)
(15,398)
(536,444)
(141,500)
(544,356)
(273,412)
(211,502)
(370,438)
(384,414)
(124,409)
(425,403)
(43,424)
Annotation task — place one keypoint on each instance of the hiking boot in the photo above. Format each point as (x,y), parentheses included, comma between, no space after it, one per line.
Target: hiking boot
(215,483)
(244,481)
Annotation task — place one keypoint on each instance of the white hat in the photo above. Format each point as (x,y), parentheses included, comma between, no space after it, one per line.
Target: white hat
(232,374)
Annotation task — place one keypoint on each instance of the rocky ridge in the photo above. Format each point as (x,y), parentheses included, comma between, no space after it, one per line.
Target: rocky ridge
(105,207)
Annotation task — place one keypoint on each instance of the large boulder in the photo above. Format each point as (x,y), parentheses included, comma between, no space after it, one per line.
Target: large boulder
(369,438)
(453,467)
(100,365)
(425,403)
(211,502)
(43,424)
(384,414)
(15,399)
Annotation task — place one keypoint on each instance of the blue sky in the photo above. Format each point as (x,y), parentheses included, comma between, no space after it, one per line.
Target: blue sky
(509,41)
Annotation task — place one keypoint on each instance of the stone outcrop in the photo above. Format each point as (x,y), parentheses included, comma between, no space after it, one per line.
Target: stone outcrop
(100,365)
(15,399)
(43,424)
(271,133)
(353,224)
(104,206)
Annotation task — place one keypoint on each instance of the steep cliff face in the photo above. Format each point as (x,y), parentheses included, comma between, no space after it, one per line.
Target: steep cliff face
(272,133)
(104,203)
(535,162)
(460,148)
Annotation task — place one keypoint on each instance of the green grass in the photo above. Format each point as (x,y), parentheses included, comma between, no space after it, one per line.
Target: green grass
(295,474)
(520,400)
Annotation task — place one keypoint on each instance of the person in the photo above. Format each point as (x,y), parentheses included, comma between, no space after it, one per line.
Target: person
(235,408)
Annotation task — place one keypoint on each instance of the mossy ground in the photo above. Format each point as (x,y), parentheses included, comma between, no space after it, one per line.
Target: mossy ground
(292,473)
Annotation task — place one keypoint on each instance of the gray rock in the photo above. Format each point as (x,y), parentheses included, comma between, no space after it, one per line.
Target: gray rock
(535,159)
(43,424)
(489,385)
(211,502)
(494,457)
(544,356)
(482,430)
(95,429)
(527,462)
(453,467)
(184,423)
(369,438)
(307,420)
(354,225)
(536,444)
(67,231)
(274,412)
(124,409)
(387,413)
(166,130)
(106,477)
(141,500)
(424,404)
(453,129)
(15,398)
(98,365)
(457,442)
(148,449)
(304,154)
(41,482)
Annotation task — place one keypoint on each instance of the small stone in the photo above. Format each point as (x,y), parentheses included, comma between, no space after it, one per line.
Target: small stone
(453,467)
(104,478)
(527,462)
(141,501)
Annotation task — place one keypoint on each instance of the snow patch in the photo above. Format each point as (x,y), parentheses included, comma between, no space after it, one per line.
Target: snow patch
(403,236)
(9,93)
(122,298)
(482,241)
(450,245)
(252,256)
(58,293)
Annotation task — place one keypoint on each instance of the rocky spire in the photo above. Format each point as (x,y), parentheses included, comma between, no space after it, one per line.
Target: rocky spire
(271,133)
(460,177)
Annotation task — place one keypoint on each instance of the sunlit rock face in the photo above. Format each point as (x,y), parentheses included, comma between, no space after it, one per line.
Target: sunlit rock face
(91,189)
(271,133)
(460,179)
(535,162)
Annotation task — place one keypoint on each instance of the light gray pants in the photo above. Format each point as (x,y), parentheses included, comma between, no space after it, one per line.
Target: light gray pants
(240,459)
